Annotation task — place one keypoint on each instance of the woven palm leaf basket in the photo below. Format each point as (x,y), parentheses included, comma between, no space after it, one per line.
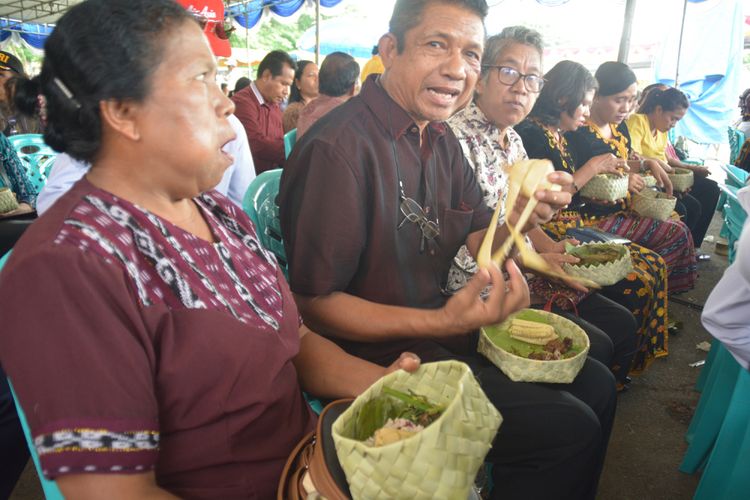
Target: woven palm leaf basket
(8,200)
(606,187)
(522,369)
(648,180)
(604,274)
(653,204)
(440,461)
(682,179)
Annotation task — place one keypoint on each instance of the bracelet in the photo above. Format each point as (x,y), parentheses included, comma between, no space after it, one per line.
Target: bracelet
(642,162)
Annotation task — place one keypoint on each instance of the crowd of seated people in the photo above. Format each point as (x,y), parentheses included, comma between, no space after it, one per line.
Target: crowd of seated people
(181,347)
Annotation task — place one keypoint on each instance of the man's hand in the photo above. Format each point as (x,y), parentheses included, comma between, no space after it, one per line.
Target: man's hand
(635,183)
(466,310)
(556,260)
(407,361)
(549,202)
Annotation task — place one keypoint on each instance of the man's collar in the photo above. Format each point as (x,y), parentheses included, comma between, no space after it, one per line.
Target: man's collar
(257,93)
(390,115)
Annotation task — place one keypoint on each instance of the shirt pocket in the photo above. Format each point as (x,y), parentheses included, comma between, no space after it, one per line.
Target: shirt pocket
(456,226)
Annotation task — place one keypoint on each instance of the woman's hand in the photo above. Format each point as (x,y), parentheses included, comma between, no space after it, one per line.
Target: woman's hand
(559,246)
(635,183)
(662,179)
(466,310)
(607,163)
(407,361)
(556,260)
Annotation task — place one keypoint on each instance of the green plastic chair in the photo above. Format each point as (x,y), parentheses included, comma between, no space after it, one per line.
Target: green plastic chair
(260,204)
(725,476)
(736,139)
(289,139)
(734,218)
(710,413)
(51,491)
(35,155)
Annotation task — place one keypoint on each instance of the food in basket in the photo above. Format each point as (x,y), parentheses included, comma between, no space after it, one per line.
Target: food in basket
(603,263)
(392,416)
(537,339)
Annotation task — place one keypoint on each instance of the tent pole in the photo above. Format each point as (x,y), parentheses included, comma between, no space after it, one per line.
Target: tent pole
(247,42)
(679,45)
(317,32)
(627,26)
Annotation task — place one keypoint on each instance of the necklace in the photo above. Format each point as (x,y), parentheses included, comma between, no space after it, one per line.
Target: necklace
(618,143)
(558,144)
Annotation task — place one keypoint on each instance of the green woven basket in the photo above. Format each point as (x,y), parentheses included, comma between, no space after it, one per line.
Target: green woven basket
(442,460)
(653,204)
(8,200)
(520,369)
(682,179)
(648,180)
(608,187)
(603,274)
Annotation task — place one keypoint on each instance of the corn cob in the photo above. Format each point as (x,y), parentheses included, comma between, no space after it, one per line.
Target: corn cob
(532,332)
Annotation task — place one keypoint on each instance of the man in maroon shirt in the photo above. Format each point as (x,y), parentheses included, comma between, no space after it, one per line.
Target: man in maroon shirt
(257,107)
(375,202)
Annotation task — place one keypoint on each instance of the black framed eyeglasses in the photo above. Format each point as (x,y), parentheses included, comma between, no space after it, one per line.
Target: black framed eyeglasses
(414,213)
(509,76)
(222,29)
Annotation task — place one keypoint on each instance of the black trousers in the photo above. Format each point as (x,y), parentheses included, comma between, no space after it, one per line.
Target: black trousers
(611,328)
(13,451)
(554,437)
(698,206)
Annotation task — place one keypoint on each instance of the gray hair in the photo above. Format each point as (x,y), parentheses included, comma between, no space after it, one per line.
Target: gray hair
(496,44)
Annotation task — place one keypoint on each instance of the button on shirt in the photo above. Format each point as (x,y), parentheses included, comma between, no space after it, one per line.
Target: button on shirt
(263,124)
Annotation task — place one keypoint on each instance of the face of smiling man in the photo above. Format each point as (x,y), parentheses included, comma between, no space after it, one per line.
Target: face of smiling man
(434,75)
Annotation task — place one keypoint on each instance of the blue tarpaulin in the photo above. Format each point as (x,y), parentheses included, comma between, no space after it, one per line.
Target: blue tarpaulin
(248,14)
(33,34)
(710,63)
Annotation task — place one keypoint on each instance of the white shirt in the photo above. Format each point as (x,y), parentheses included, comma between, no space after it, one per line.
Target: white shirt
(726,314)
(66,171)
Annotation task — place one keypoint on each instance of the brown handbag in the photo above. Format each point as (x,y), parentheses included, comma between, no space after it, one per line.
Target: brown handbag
(312,466)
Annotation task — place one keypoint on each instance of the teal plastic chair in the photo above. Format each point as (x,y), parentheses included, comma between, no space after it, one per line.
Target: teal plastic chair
(734,218)
(289,139)
(736,139)
(710,413)
(35,155)
(725,476)
(51,491)
(260,204)
(50,488)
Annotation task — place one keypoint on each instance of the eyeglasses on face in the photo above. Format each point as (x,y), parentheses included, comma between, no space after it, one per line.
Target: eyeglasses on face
(222,29)
(509,76)
(414,213)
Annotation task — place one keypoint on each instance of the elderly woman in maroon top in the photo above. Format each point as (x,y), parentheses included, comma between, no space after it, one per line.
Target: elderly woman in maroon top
(161,352)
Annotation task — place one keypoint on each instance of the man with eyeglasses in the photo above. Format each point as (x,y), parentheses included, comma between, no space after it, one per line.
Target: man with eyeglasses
(376,200)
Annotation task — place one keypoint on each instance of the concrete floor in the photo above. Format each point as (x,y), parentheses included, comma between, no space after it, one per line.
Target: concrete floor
(647,442)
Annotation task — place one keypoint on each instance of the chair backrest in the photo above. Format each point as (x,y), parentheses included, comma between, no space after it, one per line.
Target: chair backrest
(289,139)
(260,204)
(736,139)
(35,155)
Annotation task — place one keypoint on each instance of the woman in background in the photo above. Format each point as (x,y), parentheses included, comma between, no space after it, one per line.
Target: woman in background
(606,132)
(563,106)
(660,112)
(304,90)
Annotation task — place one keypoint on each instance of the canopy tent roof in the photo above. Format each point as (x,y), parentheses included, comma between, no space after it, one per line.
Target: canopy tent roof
(36,11)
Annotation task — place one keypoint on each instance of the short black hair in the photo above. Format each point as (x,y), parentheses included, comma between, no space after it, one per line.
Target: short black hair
(670,99)
(294,93)
(241,83)
(338,73)
(565,85)
(614,77)
(99,50)
(275,62)
(375,50)
(408,13)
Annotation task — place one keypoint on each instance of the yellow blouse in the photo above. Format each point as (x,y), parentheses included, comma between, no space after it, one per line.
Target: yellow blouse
(643,141)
